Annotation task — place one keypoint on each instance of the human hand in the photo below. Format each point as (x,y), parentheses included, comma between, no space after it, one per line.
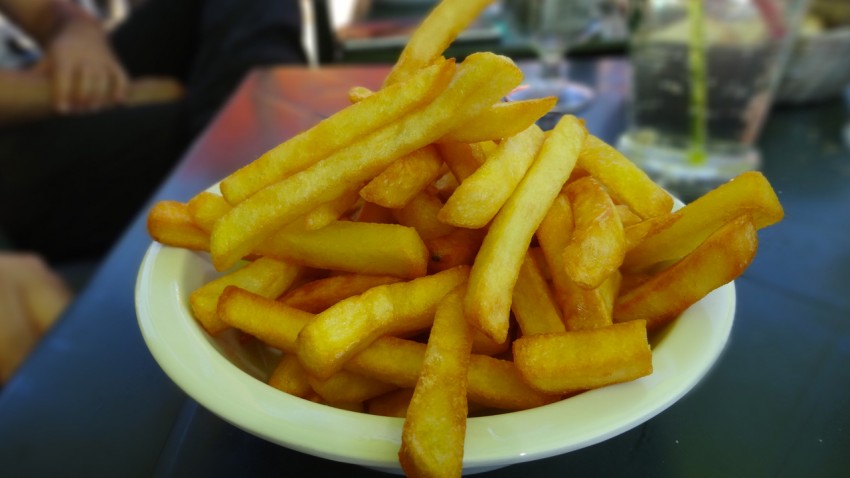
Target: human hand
(85,75)
(31,299)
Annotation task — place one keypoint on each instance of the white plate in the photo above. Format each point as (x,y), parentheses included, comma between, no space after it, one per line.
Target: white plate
(219,373)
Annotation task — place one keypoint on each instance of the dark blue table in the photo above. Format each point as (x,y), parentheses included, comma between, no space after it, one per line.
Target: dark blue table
(91,401)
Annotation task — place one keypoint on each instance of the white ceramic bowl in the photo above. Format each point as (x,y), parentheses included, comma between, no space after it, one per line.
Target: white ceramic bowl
(220,374)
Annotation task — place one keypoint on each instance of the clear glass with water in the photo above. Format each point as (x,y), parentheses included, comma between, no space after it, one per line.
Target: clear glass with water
(704,73)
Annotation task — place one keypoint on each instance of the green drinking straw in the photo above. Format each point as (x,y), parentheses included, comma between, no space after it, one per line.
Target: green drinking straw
(699,88)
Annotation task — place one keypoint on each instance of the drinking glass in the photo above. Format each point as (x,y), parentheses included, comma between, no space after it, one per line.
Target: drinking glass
(551,27)
(704,75)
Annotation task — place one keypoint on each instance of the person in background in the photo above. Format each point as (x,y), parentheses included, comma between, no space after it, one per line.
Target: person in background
(31,298)
(90,129)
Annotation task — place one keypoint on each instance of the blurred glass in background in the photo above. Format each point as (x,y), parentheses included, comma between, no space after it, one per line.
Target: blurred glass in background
(704,76)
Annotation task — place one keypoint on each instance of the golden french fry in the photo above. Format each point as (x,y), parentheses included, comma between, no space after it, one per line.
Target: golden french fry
(501,120)
(348,387)
(749,193)
(392,404)
(636,233)
(573,361)
(597,244)
(480,196)
(463,159)
(718,260)
(581,308)
(624,180)
(484,345)
(273,322)
(289,376)
(338,131)
(496,383)
(627,217)
(397,185)
(327,213)
(421,214)
(496,267)
(533,304)
(206,208)
(265,276)
(318,295)
(352,324)
(170,223)
(359,247)
(454,249)
(435,426)
(493,383)
(433,35)
(480,81)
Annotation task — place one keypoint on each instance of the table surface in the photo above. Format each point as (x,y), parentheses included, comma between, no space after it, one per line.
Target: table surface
(91,401)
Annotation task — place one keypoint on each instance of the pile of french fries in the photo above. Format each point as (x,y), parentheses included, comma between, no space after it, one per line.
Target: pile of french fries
(428,252)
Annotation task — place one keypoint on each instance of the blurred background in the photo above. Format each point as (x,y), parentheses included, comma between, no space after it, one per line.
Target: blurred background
(364,31)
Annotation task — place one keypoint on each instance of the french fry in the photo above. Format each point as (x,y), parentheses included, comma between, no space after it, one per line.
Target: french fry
(348,387)
(289,376)
(272,322)
(493,383)
(591,308)
(533,304)
(502,120)
(496,267)
(171,224)
(749,193)
(624,180)
(627,217)
(265,276)
(397,185)
(454,249)
(435,425)
(496,383)
(462,158)
(479,82)
(392,404)
(718,260)
(597,244)
(342,129)
(358,247)
(318,295)
(206,208)
(636,233)
(433,35)
(574,361)
(352,324)
(581,308)
(484,345)
(421,213)
(480,196)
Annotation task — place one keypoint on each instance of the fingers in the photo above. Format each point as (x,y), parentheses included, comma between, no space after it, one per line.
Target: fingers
(83,87)
(32,296)
(18,335)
